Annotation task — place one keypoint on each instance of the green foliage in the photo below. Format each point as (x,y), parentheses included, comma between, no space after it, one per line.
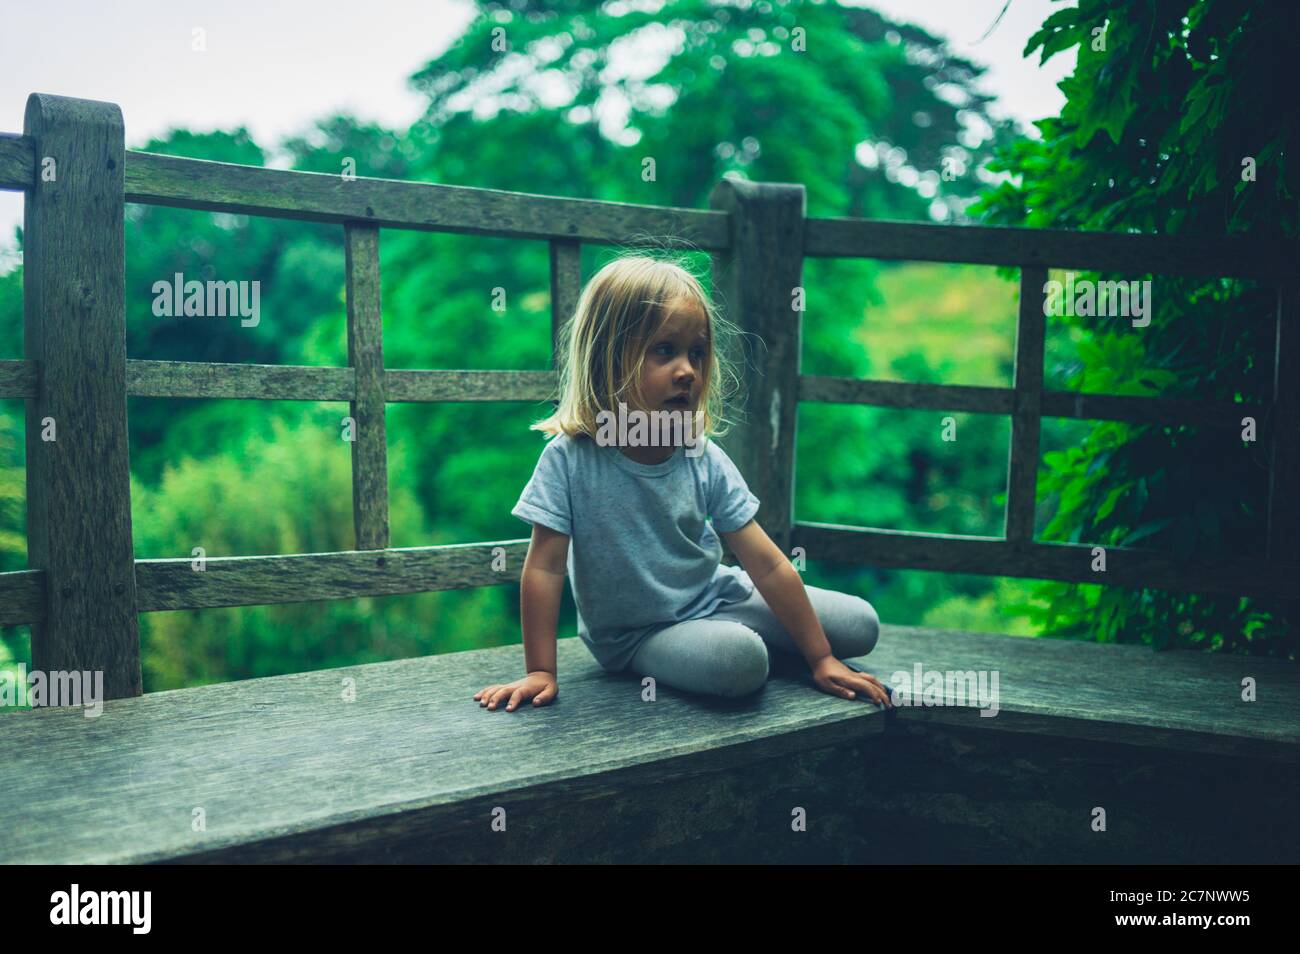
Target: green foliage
(289,493)
(1153,139)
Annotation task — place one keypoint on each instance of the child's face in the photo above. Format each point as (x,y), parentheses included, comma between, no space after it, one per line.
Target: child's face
(676,358)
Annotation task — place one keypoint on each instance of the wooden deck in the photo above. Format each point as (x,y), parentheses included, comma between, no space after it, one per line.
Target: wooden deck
(285,770)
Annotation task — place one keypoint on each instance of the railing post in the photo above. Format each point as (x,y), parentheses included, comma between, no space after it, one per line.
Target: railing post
(74,328)
(368,406)
(1027,407)
(566,287)
(758,287)
(1283,531)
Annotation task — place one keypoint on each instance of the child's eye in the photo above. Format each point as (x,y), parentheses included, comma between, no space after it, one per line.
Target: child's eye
(667,348)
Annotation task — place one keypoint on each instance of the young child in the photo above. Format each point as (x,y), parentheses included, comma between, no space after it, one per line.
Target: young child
(650,590)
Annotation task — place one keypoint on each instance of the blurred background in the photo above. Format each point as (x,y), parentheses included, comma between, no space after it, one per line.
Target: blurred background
(993,112)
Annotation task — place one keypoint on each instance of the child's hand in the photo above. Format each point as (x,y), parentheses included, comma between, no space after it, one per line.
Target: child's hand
(837,679)
(540,686)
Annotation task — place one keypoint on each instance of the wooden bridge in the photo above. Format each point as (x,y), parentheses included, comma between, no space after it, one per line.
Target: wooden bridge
(283,769)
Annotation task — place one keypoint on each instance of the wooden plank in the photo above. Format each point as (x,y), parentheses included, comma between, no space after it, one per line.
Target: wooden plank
(265,382)
(905,394)
(388,203)
(366,356)
(17,162)
(18,379)
(1284,467)
(566,286)
(254,382)
(293,760)
(415,386)
(1283,519)
(22,597)
(986,400)
(1027,407)
(990,556)
(74,321)
(284,772)
(1171,700)
(1131,253)
(755,282)
(1148,410)
(298,578)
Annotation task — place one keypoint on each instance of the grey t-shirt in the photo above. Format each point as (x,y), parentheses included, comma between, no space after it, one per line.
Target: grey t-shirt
(642,554)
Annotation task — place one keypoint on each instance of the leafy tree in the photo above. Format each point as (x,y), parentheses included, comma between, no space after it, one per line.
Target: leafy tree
(1170,100)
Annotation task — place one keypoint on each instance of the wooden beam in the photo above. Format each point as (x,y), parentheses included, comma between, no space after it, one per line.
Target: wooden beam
(420,386)
(1067,404)
(17,162)
(264,382)
(1284,468)
(566,286)
(1220,256)
(18,379)
(990,556)
(252,382)
(1283,521)
(366,356)
(22,597)
(74,321)
(1027,407)
(185,183)
(755,282)
(298,578)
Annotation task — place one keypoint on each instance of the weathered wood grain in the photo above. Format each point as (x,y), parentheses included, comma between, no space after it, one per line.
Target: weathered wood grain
(388,203)
(18,379)
(254,382)
(1027,407)
(413,386)
(17,162)
(247,581)
(22,597)
(285,769)
(1284,468)
(1283,518)
(74,322)
(755,282)
(366,356)
(566,287)
(292,578)
(264,382)
(1132,253)
(991,556)
(905,394)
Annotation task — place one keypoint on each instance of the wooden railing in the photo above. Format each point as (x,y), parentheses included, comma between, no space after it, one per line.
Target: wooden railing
(85,588)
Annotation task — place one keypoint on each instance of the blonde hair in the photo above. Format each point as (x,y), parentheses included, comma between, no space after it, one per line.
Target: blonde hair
(602,345)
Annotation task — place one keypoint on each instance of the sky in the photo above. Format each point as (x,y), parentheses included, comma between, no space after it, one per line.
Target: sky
(277,67)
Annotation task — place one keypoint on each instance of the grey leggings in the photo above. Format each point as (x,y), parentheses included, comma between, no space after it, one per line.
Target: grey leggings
(725,654)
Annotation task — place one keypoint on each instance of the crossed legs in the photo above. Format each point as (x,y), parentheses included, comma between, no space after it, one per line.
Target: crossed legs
(726,654)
